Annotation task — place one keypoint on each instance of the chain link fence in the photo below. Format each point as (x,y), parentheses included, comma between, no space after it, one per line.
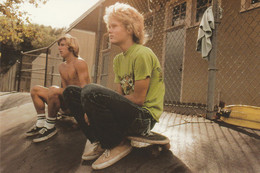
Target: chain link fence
(172,32)
(238,60)
(38,67)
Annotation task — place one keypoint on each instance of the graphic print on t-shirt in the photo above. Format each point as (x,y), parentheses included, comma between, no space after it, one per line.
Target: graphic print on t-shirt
(127,84)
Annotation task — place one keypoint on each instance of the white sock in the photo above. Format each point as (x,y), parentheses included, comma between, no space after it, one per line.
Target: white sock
(40,120)
(50,122)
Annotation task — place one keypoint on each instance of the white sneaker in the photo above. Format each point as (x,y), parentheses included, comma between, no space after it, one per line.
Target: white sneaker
(92,151)
(109,157)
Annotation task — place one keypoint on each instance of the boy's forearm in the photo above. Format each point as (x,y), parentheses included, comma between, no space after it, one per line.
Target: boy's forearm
(136,100)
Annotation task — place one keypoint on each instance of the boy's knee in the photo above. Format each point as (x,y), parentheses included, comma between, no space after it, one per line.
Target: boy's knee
(53,92)
(91,88)
(35,89)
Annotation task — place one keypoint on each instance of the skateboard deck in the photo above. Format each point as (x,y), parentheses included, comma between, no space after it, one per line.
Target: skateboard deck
(241,115)
(154,142)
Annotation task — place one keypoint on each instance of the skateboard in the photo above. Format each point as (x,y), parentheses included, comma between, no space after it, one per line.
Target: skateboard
(241,115)
(154,142)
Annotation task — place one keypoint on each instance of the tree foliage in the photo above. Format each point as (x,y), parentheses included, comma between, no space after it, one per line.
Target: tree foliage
(13,20)
(18,34)
(29,37)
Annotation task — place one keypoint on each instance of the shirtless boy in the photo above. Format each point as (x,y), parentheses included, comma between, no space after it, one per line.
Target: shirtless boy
(73,71)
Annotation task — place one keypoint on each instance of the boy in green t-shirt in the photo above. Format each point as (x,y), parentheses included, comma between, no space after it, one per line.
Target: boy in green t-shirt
(138,103)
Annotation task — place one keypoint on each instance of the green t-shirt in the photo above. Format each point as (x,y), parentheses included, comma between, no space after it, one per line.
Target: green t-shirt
(138,63)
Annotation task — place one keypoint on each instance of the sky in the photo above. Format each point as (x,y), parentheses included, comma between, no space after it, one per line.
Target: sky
(58,13)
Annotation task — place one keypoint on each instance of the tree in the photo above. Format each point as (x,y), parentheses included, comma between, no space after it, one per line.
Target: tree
(31,36)
(18,34)
(44,35)
(13,20)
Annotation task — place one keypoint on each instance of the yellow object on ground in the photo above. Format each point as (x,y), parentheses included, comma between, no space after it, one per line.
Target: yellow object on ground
(243,115)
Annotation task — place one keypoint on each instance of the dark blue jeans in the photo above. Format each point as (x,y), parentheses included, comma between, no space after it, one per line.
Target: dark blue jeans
(112,117)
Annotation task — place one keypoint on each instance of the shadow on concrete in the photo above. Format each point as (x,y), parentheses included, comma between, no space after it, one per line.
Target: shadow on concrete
(247,131)
(141,161)
(63,153)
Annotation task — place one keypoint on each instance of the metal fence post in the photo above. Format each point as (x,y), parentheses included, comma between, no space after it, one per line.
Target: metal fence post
(98,41)
(20,71)
(46,67)
(212,65)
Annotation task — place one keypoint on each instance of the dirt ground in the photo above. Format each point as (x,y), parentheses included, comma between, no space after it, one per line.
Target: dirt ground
(62,153)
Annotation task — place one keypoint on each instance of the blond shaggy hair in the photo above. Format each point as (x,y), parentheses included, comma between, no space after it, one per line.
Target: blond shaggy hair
(130,18)
(72,43)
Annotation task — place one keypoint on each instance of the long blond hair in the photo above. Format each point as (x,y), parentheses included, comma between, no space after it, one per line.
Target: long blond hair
(130,18)
(72,43)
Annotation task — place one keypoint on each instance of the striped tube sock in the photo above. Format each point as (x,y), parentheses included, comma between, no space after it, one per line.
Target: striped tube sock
(50,122)
(40,120)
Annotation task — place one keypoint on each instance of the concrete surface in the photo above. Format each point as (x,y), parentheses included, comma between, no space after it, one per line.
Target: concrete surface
(197,145)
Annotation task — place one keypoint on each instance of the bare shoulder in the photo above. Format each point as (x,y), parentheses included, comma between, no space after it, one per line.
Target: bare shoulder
(80,62)
(79,59)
